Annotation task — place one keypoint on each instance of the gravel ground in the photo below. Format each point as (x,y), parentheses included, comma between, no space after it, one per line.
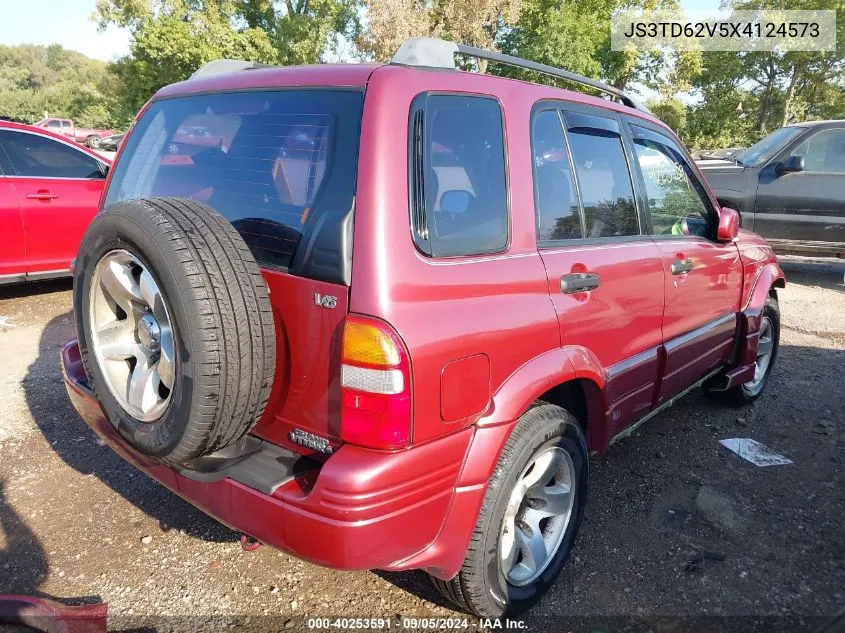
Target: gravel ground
(676,526)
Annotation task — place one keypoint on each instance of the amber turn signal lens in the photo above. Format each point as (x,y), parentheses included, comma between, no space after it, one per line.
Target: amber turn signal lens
(368,344)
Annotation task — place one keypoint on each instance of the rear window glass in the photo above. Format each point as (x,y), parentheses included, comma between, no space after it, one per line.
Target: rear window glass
(271,162)
(607,194)
(459,199)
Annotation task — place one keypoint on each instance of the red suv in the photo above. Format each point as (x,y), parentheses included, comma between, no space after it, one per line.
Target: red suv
(383,319)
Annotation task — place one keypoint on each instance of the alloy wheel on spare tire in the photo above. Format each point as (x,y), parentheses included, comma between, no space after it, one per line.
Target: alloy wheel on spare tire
(174,325)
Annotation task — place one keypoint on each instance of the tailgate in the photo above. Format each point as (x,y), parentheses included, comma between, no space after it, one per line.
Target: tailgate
(306,389)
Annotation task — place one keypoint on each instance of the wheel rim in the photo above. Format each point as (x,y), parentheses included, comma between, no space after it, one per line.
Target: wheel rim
(537,516)
(765,348)
(132,337)
(95,142)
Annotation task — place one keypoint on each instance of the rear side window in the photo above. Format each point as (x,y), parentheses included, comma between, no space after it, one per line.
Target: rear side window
(280,166)
(675,198)
(457,181)
(36,156)
(604,180)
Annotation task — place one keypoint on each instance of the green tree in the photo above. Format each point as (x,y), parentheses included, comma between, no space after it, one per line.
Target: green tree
(51,79)
(168,49)
(574,34)
(748,94)
(673,112)
(299,31)
(172,38)
(793,74)
(472,22)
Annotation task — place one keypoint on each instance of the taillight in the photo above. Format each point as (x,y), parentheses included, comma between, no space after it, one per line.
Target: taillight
(375,380)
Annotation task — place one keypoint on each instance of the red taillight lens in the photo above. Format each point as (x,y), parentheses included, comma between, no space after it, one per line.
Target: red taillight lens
(375,383)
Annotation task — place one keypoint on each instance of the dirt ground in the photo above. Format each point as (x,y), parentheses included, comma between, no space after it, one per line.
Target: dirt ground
(678,530)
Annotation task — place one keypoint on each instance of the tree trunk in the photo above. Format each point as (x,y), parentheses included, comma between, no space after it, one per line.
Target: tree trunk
(766,104)
(764,111)
(790,93)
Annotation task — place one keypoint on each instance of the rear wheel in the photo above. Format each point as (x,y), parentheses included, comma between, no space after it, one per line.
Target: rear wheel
(529,517)
(174,326)
(93,142)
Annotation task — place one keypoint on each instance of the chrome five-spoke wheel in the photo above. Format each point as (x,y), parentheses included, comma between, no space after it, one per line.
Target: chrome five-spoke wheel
(132,336)
(537,516)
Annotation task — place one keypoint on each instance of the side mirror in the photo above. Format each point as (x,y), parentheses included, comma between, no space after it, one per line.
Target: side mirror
(791,165)
(455,201)
(728,225)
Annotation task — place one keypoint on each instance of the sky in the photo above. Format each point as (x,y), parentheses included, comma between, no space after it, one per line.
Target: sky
(65,22)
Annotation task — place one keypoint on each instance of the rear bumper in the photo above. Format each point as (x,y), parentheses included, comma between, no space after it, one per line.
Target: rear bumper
(365,510)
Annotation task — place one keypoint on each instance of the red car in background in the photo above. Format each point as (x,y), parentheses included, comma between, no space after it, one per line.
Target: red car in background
(66,127)
(49,191)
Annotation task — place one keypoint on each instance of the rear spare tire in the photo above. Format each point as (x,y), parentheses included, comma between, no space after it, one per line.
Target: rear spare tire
(174,325)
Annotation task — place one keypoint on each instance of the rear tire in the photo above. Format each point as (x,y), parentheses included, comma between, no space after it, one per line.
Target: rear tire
(208,302)
(93,142)
(483,586)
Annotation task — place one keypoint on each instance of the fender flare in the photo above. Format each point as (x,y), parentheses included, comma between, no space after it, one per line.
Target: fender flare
(539,375)
(770,276)
(519,391)
(444,557)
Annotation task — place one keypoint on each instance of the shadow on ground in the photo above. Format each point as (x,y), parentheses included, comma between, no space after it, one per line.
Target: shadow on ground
(15,291)
(24,564)
(76,444)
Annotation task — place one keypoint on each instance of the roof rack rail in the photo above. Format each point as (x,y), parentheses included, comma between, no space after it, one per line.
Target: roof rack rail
(225,66)
(436,53)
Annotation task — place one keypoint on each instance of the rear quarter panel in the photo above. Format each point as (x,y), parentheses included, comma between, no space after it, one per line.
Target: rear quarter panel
(451,308)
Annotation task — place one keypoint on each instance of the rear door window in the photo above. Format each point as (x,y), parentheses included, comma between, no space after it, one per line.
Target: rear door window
(555,195)
(459,203)
(601,169)
(36,156)
(281,166)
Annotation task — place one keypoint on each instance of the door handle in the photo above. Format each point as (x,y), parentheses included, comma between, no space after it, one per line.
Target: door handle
(681,266)
(578,282)
(41,195)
